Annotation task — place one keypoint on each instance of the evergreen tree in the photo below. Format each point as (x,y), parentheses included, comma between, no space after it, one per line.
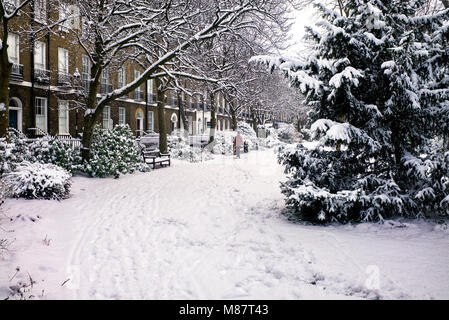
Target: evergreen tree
(113,152)
(378,88)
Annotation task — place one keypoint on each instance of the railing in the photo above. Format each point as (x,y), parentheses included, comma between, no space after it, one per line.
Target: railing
(17,133)
(139,95)
(68,139)
(64,79)
(42,76)
(17,72)
(106,88)
(199,141)
(37,132)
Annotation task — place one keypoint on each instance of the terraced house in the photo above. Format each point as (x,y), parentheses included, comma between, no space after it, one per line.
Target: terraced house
(49,71)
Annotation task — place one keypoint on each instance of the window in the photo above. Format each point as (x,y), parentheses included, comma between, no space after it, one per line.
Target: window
(40,61)
(150,86)
(63,60)
(63,117)
(107,121)
(105,76)
(13,48)
(70,14)
(41,113)
(151,98)
(121,77)
(137,91)
(40,10)
(121,115)
(85,72)
(84,27)
(105,87)
(151,120)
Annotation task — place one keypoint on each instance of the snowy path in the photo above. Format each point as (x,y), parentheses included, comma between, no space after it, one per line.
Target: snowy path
(213,231)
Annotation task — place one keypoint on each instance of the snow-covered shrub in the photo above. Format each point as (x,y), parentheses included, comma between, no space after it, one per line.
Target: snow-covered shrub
(57,152)
(13,152)
(287,133)
(246,129)
(223,142)
(38,181)
(179,148)
(3,192)
(376,111)
(113,152)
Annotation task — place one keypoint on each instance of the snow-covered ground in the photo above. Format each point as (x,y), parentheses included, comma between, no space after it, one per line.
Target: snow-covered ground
(211,230)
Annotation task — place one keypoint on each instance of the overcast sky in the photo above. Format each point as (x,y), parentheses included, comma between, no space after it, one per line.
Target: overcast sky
(303,18)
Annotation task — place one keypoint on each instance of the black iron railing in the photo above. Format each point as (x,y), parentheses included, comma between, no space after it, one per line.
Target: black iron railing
(17,72)
(42,76)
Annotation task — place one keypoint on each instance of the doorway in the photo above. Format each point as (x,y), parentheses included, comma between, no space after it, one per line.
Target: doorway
(15,114)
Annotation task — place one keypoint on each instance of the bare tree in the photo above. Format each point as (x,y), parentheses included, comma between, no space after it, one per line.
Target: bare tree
(153,34)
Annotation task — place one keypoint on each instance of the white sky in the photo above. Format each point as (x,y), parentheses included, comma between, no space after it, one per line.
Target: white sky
(303,17)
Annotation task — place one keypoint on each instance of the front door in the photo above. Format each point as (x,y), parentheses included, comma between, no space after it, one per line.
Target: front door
(13,119)
(139,126)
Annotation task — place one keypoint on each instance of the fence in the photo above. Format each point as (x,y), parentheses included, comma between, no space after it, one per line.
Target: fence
(67,139)
(199,141)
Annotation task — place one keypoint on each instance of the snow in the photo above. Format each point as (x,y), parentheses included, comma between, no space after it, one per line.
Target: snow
(350,73)
(2,107)
(211,230)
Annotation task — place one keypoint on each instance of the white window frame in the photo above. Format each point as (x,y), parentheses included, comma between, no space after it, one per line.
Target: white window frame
(150,84)
(71,13)
(14,47)
(63,60)
(63,117)
(151,120)
(121,77)
(121,115)
(107,121)
(40,49)
(85,70)
(105,76)
(40,10)
(41,118)
(137,75)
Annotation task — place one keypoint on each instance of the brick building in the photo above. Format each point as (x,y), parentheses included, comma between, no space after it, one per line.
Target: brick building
(48,69)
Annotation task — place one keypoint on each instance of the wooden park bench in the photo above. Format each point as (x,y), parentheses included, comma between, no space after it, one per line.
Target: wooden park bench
(150,151)
(154,157)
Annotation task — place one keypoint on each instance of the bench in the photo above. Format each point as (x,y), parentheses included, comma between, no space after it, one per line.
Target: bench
(153,156)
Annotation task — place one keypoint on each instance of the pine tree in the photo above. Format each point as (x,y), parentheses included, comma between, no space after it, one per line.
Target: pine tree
(378,88)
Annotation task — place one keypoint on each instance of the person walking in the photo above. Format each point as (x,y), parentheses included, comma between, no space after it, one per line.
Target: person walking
(238,141)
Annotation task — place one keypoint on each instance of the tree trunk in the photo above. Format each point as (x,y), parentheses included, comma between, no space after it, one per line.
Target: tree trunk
(213,118)
(5,73)
(255,123)
(161,118)
(90,119)
(182,114)
(233,119)
(88,131)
